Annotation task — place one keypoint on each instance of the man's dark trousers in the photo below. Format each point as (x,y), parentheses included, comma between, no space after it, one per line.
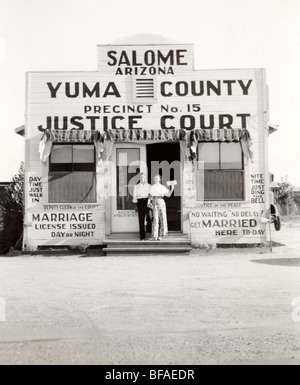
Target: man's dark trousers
(143,214)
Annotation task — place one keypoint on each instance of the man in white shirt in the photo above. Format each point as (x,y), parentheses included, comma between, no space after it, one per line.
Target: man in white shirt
(140,197)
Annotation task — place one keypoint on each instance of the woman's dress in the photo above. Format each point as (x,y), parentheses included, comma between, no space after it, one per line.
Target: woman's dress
(159,223)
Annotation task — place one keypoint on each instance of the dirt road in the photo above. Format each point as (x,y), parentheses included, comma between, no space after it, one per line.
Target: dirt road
(223,307)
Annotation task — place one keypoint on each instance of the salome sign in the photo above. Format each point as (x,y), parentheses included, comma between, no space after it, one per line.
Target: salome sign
(148,60)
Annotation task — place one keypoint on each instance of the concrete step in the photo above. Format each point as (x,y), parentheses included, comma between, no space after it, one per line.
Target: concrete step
(122,251)
(136,237)
(148,244)
(129,244)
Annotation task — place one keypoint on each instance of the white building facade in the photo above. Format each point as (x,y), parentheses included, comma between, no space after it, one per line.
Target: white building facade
(90,134)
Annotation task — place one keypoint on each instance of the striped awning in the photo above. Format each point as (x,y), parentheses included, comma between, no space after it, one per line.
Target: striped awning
(85,136)
(74,136)
(241,136)
(214,135)
(144,135)
(217,135)
(110,136)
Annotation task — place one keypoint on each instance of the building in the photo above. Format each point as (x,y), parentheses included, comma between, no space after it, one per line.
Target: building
(89,134)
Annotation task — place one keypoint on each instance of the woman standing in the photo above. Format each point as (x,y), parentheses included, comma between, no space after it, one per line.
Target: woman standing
(159,221)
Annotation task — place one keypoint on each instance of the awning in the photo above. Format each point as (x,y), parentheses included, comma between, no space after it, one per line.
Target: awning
(74,136)
(189,139)
(217,135)
(224,135)
(144,135)
(60,136)
(84,136)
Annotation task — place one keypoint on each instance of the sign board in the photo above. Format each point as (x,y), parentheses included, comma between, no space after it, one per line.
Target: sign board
(149,60)
(200,100)
(149,88)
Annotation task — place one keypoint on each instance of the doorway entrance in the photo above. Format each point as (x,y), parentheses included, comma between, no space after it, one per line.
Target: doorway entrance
(153,159)
(164,159)
(129,160)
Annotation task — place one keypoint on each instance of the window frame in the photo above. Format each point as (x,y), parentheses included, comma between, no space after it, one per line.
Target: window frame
(221,171)
(71,167)
(68,168)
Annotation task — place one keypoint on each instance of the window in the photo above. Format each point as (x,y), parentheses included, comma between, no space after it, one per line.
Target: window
(128,168)
(223,175)
(72,174)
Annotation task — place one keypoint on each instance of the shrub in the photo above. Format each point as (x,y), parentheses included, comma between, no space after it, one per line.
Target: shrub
(284,197)
(12,203)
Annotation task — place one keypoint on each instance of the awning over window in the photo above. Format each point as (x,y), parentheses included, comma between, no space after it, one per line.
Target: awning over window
(74,136)
(190,138)
(144,135)
(224,135)
(60,136)
(84,136)
(215,135)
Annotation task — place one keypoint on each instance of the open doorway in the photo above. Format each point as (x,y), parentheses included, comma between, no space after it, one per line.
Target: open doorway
(164,159)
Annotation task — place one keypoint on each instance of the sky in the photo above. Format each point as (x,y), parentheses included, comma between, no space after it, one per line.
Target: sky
(62,35)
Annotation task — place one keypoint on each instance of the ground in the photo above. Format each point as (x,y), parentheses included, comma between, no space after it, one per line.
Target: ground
(220,307)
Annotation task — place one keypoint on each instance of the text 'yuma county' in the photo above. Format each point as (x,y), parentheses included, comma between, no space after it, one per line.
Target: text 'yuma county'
(153,374)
